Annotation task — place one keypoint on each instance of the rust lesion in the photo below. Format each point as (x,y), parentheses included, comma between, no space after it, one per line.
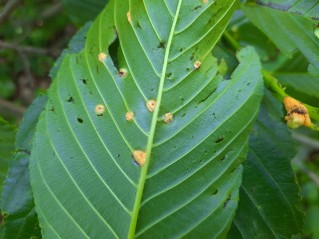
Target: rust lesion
(129,116)
(139,157)
(297,113)
(151,105)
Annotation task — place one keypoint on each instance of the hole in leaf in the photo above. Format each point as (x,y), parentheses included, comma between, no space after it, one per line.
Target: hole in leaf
(80,120)
(113,50)
(220,139)
(161,44)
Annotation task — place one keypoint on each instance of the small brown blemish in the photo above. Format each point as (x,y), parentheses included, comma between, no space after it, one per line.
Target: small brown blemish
(197,64)
(139,157)
(129,116)
(123,72)
(151,104)
(297,113)
(168,118)
(99,109)
(129,17)
(102,57)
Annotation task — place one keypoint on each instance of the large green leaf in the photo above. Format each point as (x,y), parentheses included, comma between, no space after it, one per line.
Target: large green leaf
(17,206)
(288,31)
(269,194)
(84,178)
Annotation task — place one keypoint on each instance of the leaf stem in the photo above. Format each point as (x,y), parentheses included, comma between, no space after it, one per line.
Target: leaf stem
(142,180)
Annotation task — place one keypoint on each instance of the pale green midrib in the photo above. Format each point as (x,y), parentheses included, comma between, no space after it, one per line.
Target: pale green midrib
(144,171)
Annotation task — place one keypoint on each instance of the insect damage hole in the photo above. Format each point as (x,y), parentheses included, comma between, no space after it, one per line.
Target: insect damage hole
(80,120)
(151,104)
(102,57)
(139,157)
(99,109)
(129,116)
(168,118)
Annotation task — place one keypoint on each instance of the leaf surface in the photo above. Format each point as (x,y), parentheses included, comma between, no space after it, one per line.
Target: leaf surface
(20,218)
(146,85)
(308,8)
(269,194)
(288,31)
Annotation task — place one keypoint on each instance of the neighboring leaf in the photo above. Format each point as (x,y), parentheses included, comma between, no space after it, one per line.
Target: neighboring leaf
(17,206)
(7,136)
(288,31)
(307,8)
(189,148)
(83,11)
(269,193)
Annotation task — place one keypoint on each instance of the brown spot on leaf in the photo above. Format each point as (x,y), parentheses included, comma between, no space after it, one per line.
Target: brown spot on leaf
(168,118)
(129,19)
(151,104)
(129,116)
(99,109)
(123,72)
(102,57)
(139,157)
(197,64)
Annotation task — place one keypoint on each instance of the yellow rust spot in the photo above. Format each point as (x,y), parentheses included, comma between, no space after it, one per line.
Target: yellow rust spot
(297,113)
(197,64)
(151,104)
(139,157)
(205,1)
(123,72)
(168,118)
(102,57)
(129,17)
(99,109)
(129,116)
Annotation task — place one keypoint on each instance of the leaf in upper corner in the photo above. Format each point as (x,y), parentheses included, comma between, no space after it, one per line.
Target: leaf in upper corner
(7,136)
(141,136)
(306,8)
(287,30)
(17,206)
(269,195)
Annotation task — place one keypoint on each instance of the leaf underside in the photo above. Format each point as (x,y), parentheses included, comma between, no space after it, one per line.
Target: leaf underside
(85,181)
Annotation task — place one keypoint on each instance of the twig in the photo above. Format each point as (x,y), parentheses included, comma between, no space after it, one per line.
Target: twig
(8,8)
(11,109)
(306,140)
(25,49)
(49,12)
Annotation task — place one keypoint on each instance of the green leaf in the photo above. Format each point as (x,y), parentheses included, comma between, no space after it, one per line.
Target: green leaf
(269,193)
(308,8)
(7,136)
(84,178)
(288,31)
(17,206)
(83,11)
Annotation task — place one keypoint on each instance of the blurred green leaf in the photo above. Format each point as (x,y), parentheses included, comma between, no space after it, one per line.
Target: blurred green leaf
(83,11)
(307,8)
(269,192)
(17,206)
(7,137)
(288,31)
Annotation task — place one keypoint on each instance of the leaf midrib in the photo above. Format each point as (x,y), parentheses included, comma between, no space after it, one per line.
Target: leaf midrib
(144,171)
